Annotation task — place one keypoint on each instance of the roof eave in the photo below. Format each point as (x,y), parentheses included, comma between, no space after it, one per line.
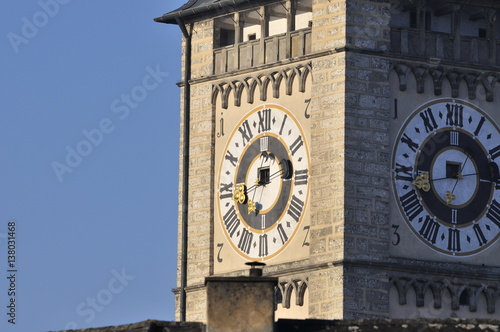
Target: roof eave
(194,13)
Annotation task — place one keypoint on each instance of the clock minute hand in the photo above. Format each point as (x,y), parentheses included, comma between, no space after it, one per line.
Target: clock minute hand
(462,176)
(285,171)
(258,183)
(240,195)
(468,154)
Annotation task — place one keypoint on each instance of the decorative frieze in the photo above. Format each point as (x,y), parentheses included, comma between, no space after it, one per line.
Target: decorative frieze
(454,76)
(258,85)
(459,293)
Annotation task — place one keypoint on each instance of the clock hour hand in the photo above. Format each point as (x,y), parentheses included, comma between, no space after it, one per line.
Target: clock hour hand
(241,196)
(259,182)
(494,176)
(286,172)
(495,173)
(422,181)
(450,197)
(251,206)
(468,154)
(286,169)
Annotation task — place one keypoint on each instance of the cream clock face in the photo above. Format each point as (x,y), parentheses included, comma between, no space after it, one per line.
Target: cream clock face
(263,182)
(446,177)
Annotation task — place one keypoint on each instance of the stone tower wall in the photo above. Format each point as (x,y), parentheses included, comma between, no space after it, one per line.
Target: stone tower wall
(352,53)
(350,154)
(200,211)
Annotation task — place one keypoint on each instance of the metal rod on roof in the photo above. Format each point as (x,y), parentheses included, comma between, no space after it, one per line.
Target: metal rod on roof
(254,8)
(281,3)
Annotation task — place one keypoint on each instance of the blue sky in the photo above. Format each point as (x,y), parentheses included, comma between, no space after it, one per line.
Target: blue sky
(89,133)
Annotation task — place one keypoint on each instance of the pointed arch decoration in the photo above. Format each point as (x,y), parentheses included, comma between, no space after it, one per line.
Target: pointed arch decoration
(398,283)
(436,294)
(301,292)
(455,289)
(260,84)
(278,296)
(287,298)
(438,75)
(474,80)
(284,292)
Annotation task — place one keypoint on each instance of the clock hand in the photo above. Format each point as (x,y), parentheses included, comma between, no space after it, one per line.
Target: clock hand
(459,175)
(240,194)
(264,157)
(258,184)
(251,206)
(285,171)
(494,172)
(450,196)
(439,179)
(422,181)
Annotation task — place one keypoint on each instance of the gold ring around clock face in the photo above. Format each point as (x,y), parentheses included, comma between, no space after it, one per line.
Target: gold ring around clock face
(445,176)
(263,182)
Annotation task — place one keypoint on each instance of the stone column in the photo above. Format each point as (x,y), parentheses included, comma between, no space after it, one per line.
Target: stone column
(240,304)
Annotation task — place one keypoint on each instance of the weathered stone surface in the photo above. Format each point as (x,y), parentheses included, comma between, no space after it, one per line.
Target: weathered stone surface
(148,326)
(421,325)
(240,304)
(358,61)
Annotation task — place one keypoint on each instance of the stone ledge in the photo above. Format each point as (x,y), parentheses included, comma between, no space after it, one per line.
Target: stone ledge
(394,325)
(148,326)
(317,325)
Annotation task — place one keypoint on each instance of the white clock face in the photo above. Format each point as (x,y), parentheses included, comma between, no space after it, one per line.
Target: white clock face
(263,182)
(446,179)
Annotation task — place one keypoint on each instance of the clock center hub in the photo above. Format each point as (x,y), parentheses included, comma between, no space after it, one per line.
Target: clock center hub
(454,177)
(264,174)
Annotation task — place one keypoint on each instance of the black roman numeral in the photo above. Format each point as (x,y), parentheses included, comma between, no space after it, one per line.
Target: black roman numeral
(296,145)
(453,239)
(246,132)
(455,115)
(301,177)
(429,121)
(411,205)
(232,159)
(412,145)
(295,209)
(454,216)
(454,138)
(406,170)
(479,126)
(494,212)
(231,221)
(479,234)
(264,120)
(429,229)
(283,124)
(226,190)
(263,250)
(495,152)
(282,234)
(245,243)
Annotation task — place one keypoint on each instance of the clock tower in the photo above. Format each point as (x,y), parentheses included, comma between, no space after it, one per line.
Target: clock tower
(351,146)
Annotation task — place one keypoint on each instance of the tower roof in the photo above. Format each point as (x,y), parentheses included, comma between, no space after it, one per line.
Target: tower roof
(196,9)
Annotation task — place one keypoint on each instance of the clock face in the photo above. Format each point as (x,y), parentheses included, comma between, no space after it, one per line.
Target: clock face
(263,182)
(446,179)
